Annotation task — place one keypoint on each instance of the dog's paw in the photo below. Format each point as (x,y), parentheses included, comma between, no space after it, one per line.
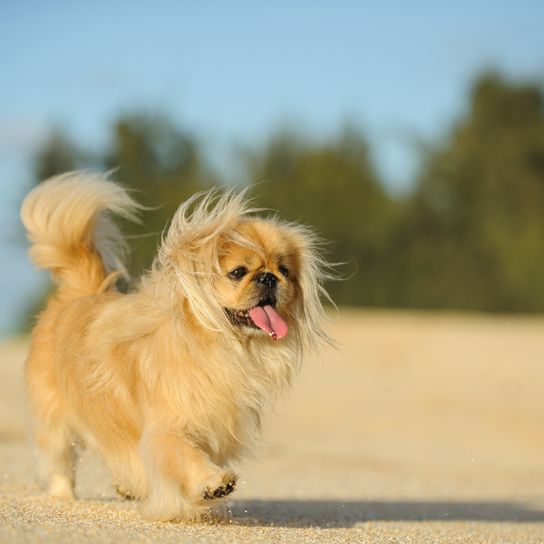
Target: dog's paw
(226,487)
(61,488)
(124,493)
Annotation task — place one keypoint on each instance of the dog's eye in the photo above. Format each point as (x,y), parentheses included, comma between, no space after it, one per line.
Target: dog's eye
(284,270)
(238,273)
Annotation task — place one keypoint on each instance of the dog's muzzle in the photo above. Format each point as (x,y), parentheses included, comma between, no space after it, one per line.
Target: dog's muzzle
(268,283)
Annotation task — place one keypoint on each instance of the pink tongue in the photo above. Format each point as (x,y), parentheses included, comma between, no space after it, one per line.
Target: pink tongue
(268,320)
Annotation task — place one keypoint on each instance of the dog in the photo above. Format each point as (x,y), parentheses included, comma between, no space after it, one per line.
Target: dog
(169,381)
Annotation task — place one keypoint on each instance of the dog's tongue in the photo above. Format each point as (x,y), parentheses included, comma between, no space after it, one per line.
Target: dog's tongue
(268,320)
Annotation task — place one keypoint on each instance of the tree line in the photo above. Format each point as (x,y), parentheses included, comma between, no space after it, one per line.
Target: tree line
(468,235)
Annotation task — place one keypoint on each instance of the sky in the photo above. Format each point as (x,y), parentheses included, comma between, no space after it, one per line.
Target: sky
(233,71)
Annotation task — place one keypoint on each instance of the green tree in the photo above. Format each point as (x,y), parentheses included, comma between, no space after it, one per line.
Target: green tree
(470,235)
(164,166)
(474,234)
(161,163)
(58,154)
(333,187)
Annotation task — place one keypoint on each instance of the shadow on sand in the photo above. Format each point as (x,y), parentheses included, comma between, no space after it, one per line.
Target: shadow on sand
(331,513)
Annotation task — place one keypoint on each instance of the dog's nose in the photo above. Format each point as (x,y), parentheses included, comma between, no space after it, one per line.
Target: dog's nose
(268,279)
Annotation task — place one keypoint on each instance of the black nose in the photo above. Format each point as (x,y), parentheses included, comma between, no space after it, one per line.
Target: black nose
(268,279)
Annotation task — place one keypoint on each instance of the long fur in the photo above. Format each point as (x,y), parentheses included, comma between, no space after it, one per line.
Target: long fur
(159,380)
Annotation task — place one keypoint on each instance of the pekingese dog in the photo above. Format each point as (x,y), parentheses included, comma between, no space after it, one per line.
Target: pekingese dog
(168,382)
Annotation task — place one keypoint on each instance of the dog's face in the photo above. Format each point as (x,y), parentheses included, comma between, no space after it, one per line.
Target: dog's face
(237,273)
(257,284)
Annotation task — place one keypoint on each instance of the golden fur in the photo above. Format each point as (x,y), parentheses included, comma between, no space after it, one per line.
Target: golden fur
(160,381)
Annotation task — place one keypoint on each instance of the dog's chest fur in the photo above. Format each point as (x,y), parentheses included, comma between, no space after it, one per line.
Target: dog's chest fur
(217,395)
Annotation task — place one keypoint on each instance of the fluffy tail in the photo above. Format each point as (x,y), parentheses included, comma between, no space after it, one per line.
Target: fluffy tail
(68,222)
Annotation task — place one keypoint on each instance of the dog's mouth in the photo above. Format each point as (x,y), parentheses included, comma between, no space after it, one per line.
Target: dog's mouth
(263,316)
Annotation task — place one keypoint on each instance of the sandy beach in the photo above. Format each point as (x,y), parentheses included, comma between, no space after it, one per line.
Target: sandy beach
(421,427)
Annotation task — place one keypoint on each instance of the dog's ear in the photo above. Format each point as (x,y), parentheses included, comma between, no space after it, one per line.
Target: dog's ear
(190,249)
(313,271)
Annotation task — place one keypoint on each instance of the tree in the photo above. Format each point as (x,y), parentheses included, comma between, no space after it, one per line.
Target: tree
(476,222)
(58,154)
(161,163)
(470,235)
(164,166)
(333,187)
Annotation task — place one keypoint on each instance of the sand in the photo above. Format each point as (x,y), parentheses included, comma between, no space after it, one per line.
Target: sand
(421,428)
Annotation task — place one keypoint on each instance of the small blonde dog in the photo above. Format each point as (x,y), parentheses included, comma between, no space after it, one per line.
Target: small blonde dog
(168,382)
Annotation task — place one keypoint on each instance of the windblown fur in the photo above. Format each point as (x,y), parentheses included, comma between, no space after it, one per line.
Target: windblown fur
(168,382)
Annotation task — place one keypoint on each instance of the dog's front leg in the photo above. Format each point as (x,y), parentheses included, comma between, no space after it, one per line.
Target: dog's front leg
(181,477)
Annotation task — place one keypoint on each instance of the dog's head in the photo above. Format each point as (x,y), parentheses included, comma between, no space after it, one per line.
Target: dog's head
(259,281)
(244,275)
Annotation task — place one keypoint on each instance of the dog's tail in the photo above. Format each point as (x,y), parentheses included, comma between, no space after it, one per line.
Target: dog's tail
(68,222)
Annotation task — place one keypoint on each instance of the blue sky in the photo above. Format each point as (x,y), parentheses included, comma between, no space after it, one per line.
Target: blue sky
(232,71)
